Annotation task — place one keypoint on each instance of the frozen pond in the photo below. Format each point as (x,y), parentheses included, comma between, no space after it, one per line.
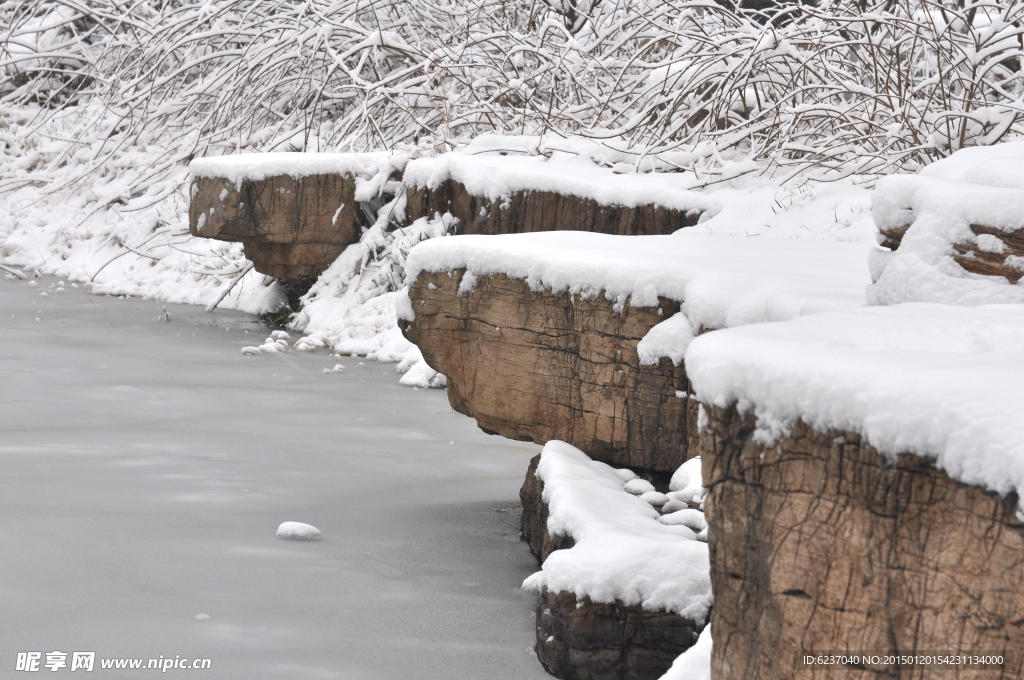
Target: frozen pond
(145,466)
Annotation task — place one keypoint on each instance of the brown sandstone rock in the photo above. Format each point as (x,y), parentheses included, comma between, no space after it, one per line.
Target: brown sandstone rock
(542,211)
(818,543)
(537,366)
(291,228)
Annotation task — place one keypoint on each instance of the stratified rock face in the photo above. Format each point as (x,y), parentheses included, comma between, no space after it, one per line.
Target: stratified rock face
(291,228)
(538,366)
(587,640)
(817,543)
(528,211)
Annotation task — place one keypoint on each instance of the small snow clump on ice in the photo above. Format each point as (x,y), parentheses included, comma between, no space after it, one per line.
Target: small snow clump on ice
(299,531)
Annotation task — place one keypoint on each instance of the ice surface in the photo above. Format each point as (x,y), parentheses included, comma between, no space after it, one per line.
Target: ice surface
(621,551)
(933,380)
(722,281)
(145,464)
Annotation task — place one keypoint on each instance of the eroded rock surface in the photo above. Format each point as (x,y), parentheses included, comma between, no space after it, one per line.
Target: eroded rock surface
(818,543)
(579,639)
(538,366)
(292,229)
(527,211)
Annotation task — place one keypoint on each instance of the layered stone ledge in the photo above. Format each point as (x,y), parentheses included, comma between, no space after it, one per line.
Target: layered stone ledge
(537,365)
(819,543)
(532,211)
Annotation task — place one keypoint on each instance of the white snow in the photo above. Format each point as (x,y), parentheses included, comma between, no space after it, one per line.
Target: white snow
(638,487)
(694,663)
(932,380)
(258,166)
(622,551)
(353,308)
(999,165)
(667,339)
(721,281)
(686,480)
(299,531)
(655,498)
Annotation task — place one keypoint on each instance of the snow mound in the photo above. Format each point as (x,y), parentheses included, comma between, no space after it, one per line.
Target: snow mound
(298,531)
(668,339)
(258,166)
(721,281)
(976,186)
(999,165)
(926,379)
(686,481)
(622,551)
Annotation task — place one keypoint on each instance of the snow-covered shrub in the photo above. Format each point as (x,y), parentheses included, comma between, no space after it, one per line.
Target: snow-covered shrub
(836,87)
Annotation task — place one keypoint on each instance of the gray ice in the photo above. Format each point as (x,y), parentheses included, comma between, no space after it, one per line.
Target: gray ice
(145,466)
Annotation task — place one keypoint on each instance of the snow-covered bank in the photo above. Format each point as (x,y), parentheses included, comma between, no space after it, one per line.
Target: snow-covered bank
(933,380)
(116,217)
(721,281)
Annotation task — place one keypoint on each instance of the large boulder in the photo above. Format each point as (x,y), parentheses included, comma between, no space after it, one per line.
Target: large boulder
(552,335)
(864,471)
(820,544)
(293,212)
(291,228)
(492,191)
(537,365)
